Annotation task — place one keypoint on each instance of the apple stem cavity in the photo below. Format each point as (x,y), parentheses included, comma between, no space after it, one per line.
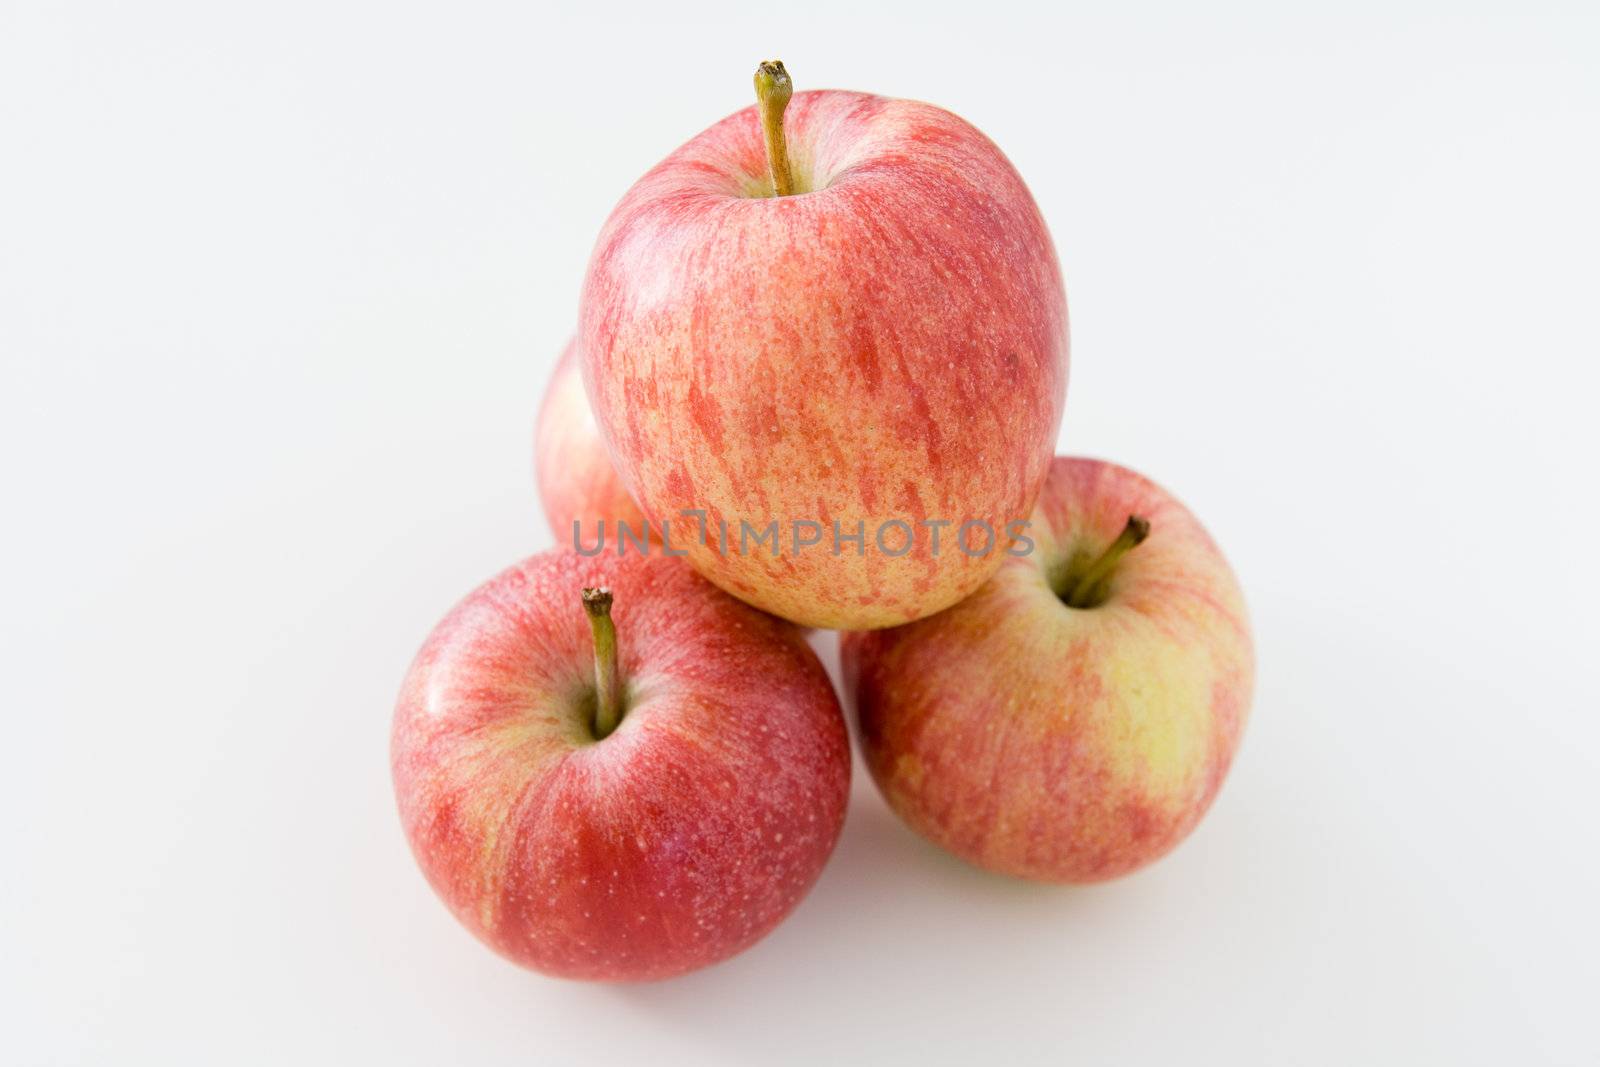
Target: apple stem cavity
(608,696)
(773,89)
(1086,592)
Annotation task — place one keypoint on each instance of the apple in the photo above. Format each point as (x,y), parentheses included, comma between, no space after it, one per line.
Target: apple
(577,483)
(617,800)
(884,343)
(1074,718)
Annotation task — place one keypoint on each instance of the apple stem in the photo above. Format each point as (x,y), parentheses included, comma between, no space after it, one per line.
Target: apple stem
(1085,592)
(608,698)
(773,89)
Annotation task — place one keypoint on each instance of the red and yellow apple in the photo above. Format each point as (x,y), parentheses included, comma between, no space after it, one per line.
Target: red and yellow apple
(1074,718)
(577,483)
(624,799)
(887,342)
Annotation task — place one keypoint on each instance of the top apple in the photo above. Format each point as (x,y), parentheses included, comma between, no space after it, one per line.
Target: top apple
(882,352)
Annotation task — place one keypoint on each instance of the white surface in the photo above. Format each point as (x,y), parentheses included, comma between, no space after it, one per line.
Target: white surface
(279,287)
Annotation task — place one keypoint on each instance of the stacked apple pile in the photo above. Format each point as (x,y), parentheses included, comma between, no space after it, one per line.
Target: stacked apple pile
(838,317)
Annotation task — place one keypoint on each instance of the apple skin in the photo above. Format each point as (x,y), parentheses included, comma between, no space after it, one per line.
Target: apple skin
(1055,743)
(678,840)
(891,345)
(577,483)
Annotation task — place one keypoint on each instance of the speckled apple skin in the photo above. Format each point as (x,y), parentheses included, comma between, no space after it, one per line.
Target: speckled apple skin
(1059,744)
(577,482)
(678,840)
(890,344)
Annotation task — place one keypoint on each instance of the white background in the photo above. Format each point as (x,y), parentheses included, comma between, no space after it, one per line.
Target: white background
(279,288)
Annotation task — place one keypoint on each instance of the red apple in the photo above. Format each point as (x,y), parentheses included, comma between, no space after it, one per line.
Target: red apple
(577,483)
(1073,719)
(627,802)
(887,344)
